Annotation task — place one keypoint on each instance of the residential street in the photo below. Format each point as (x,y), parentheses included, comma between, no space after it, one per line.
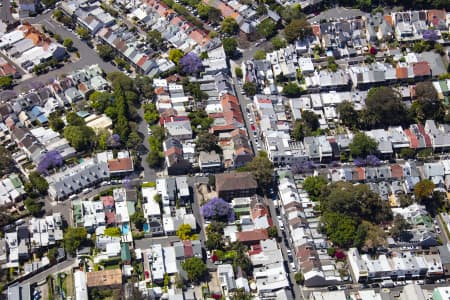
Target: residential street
(60,267)
(88,56)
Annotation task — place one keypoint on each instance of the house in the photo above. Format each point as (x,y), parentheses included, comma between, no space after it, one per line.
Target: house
(242,153)
(175,162)
(183,192)
(180,130)
(19,291)
(80,285)
(74,179)
(152,211)
(209,161)
(110,279)
(252,237)
(235,184)
(166,187)
(227,281)
(28,8)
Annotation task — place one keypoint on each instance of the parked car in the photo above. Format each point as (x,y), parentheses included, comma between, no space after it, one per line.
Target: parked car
(333,288)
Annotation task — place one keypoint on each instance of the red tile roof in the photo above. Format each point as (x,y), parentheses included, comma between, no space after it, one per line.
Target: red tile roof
(188,251)
(436,14)
(258,211)
(413,141)
(421,68)
(110,217)
(425,135)
(397,171)
(108,201)
(120,164)
(401,72)
(252,236)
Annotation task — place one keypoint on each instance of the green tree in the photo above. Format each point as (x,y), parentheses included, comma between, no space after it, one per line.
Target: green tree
(311,120)
(229,46)
(292,90)
(58,14)
(298,131)
(155,38)
(100,101)
(358,202)
(214,241)
(407,153)
(384,107)
(68,43)
(55,122)
(175,55)
(52,254)
(229,26)
(144,86)
(427,105)
(39,183)
(133,140)
(112,231)
(238,72)
(262,168)
(6,82)
(200,121)
(184,232)
(278,43)
(7,164)
(399,227)
(195,268)
(297,29)
(331,64)
(299,278)
(272,231)
(74,238)
(347,114)
(340,229)
(423,189)
(207,142)
(34,206)
(82,138)
(289,13)
(267,28)
(314,185)
(106,52)
(241,294)
(138,219)
(259,55)
(74,119)
(151,114)
(249,89)
(83,33)
(362,145)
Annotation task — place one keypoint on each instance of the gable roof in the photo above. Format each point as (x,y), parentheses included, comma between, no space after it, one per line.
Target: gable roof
(235,181)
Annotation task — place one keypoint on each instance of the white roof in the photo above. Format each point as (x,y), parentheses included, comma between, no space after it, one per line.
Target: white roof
(80,285)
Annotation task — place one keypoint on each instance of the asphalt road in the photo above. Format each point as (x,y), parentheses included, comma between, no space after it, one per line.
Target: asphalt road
(70,262)
(243,102)
(88,56)
(149,173)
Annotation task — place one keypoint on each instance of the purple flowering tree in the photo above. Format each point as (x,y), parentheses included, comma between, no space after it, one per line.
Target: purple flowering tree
(191,63)
(218,209)
(51,159)
(372,160)
(113,141)
(359,162)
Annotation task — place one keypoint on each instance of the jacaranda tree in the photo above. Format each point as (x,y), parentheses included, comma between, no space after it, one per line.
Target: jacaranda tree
(50,160)
(191,63)
(218,209)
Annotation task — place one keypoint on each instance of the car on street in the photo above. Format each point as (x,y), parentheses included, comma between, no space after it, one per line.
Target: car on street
(333,288)
(292,267)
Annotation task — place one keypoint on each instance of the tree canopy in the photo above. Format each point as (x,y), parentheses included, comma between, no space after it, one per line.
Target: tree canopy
(229,46)
(74,238)
(175,55)
(106,52)
(314,185)
(249,89)
(195,268)
(297,29)
(362,145)
(384,107)
(38,182)
(229,26)
(347,114)
(427,105)
(262,169)
(292,90)
(267,28)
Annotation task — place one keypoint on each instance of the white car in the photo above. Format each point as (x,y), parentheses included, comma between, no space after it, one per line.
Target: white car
(293,267)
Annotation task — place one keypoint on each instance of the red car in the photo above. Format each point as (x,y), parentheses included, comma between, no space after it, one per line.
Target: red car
(253,127)
(147,274)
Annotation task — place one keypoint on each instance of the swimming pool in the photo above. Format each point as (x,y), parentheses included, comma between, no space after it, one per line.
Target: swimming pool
(125,228)
(146,228)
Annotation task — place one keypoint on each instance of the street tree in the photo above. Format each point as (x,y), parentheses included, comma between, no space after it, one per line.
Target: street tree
(229,46)
(262,169)
(249,89)
(74,237)
(229,26)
